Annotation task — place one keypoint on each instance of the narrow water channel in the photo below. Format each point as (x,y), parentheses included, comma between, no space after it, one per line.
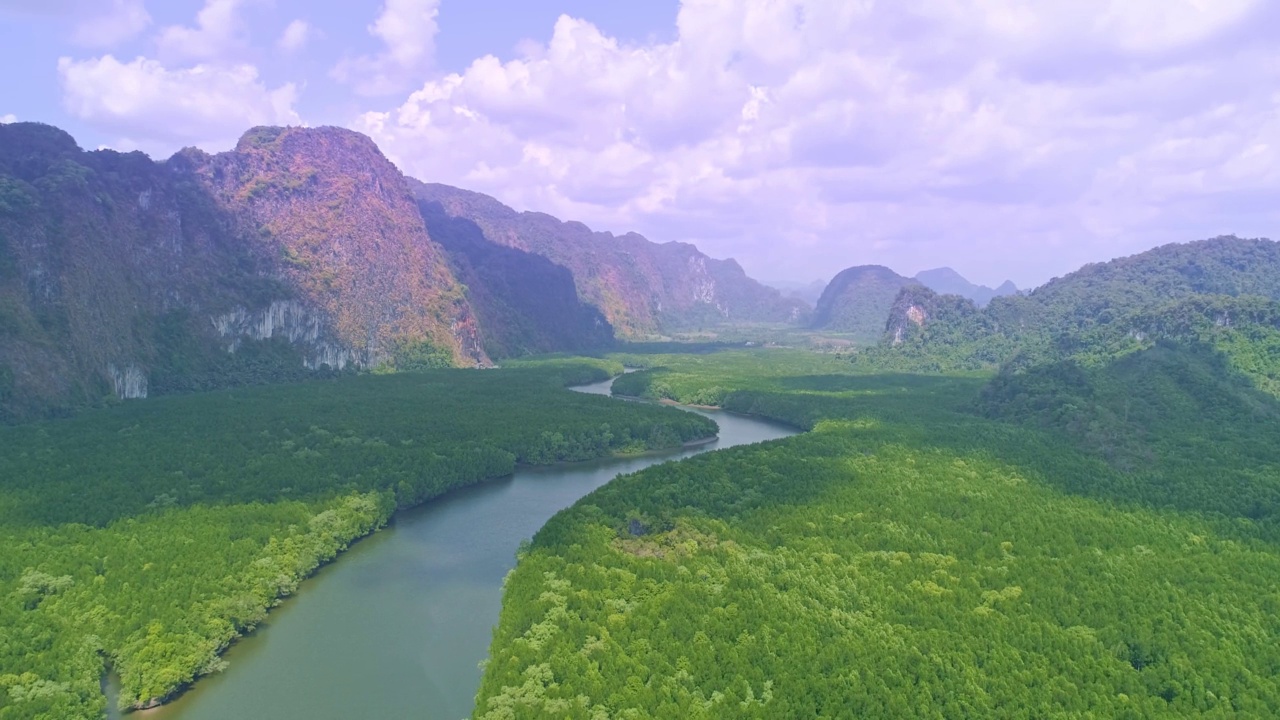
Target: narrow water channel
(397,627)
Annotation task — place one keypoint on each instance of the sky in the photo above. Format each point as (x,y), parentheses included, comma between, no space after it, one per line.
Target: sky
(1004,138)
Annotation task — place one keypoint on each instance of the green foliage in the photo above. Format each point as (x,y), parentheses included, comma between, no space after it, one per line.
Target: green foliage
(685,377)
(907,558)
(857,301)
(1167,416)
(6,382)
(1100,307)
(186,362)
(64,176)
(151,535)
(262,138)
(420,355)
(16,197)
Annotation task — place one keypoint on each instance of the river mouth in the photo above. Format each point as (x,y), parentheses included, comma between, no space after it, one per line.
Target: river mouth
(398,625)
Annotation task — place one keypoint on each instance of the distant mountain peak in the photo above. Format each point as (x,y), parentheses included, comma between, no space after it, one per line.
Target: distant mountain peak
(858,300)
(946,281)
(644,288)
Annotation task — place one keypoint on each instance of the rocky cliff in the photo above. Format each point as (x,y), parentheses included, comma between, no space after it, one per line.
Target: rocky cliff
(643,288)
(123,277)
(348,240)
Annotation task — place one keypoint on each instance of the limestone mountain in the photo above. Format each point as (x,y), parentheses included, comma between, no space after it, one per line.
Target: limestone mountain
(525,303)
(643,288)
(946,281)
(300,250)
(858,299)
(349,242)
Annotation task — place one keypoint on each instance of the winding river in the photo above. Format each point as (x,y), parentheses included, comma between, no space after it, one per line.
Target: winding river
(398,626)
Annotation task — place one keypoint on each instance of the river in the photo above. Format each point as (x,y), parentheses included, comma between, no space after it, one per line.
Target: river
(397,627)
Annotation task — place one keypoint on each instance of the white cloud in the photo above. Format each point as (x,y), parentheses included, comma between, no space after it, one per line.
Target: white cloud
(296,36)
(909,133)
(7,119)
(111,23)
(407,31)
(160,110)
(218,30)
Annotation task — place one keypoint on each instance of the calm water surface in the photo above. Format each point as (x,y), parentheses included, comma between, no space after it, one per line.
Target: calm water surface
(397,627)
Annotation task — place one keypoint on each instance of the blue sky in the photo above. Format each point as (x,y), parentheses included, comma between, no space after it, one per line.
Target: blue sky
(1003,138)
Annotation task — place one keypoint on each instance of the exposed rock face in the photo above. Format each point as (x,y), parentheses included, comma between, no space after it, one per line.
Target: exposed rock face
(96,248)
(858,300)
(643,288)
(124,277)
(350,239)
(946,281)
(916,308)
(295,322)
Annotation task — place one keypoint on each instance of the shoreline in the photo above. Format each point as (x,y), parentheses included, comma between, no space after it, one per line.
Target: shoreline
(146,708)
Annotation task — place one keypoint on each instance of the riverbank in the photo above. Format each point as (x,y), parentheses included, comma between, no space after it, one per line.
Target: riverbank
(398,627)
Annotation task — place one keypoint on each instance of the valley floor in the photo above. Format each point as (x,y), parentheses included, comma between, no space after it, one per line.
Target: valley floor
(907,557)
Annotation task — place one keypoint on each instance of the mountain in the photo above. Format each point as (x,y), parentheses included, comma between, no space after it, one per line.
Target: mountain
(299,252)
(643,288)
(303,251)
(350,241)
(946,281)
(809,292)
(1093,307)
(525,303)
(104,259)
(858,300)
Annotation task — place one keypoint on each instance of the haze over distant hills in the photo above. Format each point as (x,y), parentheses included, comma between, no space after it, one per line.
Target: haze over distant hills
(807,291)
(946,281)
(643,288)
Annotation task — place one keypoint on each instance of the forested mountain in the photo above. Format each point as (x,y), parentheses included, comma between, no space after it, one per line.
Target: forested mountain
(1100,306)
(946,281)
(858,299)
(643,288)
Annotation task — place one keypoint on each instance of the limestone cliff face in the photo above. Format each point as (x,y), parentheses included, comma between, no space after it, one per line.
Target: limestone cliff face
(349,240)
(123,277)
(524,302)
(643,288)
(96,248)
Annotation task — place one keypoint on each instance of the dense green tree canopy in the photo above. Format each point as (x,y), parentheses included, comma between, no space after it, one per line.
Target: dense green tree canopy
(149,536)
(910,557)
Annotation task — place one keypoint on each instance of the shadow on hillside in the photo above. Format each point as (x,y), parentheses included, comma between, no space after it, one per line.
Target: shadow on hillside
(1180,423)
(526,303)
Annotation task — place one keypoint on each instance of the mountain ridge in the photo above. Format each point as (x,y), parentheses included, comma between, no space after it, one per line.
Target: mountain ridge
(946,281)
(858,300)
(303,252)
(644,288)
